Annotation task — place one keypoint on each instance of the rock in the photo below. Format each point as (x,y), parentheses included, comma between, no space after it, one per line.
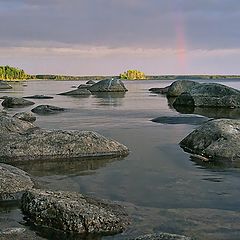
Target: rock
(179,87)
(3,113)
(21,140)
(90,82)
(47,109)
(14,125)
(83,86)
(4,85)
(108,85)
(73,212)
(209,95)
(11,102)
(191,120)
(79,91)
(162,236)
(217,140)
(13,182)
(4,97)
(159,90)
(39,97)
(25,116)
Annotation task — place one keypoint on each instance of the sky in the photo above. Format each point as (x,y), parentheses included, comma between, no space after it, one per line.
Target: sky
(107,37)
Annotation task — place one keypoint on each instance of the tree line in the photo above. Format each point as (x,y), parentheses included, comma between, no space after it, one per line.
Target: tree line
(12,73)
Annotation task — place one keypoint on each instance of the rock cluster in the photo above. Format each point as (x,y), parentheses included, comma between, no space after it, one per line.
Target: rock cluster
(11,102)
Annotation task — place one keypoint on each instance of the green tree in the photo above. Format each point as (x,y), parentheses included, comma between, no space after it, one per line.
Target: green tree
(132,75)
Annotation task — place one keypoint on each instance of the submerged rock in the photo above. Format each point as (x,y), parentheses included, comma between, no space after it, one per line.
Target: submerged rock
(13,182)
(73,212)
(217,140)
(79,91)
(162,236)
(108,85)
(11,102)
(39,97)
(22,140)
(181,86)
(209,95)
(25,116)
(47,109)
(4,85)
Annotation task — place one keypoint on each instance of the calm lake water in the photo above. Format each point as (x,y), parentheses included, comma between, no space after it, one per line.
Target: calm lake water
(162,188)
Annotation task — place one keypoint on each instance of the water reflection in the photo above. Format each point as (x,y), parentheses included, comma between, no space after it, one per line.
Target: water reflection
(64,167)
(109,98)
(190,120)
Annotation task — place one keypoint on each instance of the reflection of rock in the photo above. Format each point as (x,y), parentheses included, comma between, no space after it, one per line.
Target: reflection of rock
(192,120)
(73,212)
(13,182)
(4,85)
(109,98)
(181,86)
(21,140)
(79,91)
(39,97)
(210,95)
(108,85)
(11,102)
(47,109)
(217,140)
(25,116)
(162,236)
(64,166)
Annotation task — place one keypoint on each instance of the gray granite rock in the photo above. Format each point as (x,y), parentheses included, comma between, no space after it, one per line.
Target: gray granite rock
(217,140)
(108,85)
(13,182)
(4,85)
(90,82)
(159,90)
(11,102)
(79,91)
(25,116)
(73,212)
(47,109)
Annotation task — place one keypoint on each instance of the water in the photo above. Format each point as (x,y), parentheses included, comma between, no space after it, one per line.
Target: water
(161,187)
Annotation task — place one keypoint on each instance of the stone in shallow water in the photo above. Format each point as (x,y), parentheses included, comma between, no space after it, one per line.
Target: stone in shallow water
(108,85)
(73,212)
(11,102)
(47,109)
(25,116)
(79,91)
(4,85)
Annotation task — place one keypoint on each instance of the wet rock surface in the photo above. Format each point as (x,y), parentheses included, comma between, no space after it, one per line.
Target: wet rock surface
(25,116)
(11,102)
(73,212)
(21,140)
(47,109)
(162,236)
(39,97)
(13,182)
(217,140)
(79,91)
(108,85)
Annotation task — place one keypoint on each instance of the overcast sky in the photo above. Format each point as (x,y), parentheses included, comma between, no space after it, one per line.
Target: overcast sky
(93,37)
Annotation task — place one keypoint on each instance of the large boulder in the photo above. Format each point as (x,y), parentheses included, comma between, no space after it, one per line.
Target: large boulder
(179,87)
(25,116)
(4,85)
(210,95)
(162,236)
(217,140)
(21,140)
(73,212)
(13,182)
(108,85)
(47,109)
(11,102)
(79,91)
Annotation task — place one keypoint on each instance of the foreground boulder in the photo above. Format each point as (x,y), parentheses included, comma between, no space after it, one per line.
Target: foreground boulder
(209,95)
(217,140)
(13,182)
(47,109)
(162,236)
(25,116)
(4,85)
(39,97)
(22,140)
(79,91)
(108,85)
(181,86)
(73,212)
(11,102)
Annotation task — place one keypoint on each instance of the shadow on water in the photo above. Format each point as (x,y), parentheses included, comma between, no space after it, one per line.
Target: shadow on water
(109,98)
(190,120)
(65,167)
